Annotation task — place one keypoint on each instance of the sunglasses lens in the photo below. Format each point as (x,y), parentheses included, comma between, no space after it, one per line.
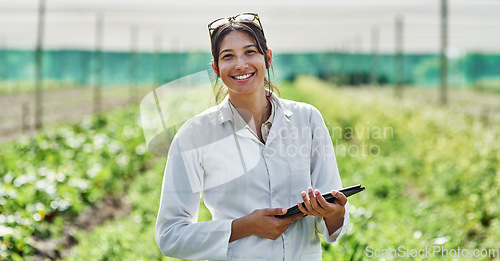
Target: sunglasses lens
(218,23)
(248,18)
(245,18)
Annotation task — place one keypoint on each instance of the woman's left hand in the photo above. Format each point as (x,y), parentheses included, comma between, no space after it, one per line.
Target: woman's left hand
(316,204)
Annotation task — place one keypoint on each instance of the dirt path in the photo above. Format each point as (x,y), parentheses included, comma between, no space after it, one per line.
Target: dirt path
(59,106)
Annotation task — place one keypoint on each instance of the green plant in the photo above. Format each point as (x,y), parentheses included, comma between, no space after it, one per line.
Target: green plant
(61,172)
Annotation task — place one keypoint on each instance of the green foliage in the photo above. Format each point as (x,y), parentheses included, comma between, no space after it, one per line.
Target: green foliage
(434,182)
(132,237)
(487,85)
(60,172)
(432,179)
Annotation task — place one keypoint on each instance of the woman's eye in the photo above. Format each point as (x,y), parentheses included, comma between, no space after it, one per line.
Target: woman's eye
(227,56)
(250,51)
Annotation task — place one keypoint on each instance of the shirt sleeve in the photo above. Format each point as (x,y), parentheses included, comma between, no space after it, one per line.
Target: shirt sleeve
(324,172)
(178,234)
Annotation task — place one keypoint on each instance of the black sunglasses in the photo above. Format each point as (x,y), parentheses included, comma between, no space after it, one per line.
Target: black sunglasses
(242,18)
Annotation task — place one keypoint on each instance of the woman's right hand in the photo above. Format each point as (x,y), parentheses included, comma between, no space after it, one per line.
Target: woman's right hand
(262,223)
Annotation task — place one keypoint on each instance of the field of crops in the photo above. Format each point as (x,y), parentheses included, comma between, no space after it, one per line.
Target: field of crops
(431,176)
(49,181)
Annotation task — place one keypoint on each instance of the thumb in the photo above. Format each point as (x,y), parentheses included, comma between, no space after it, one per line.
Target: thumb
(275,211)
(341,198)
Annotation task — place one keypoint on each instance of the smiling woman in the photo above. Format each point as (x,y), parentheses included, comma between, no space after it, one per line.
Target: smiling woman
(226,154)
(250,36)
(240,65)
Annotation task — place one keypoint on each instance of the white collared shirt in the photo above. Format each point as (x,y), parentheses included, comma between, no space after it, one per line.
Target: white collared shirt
(265,127)
(237,174)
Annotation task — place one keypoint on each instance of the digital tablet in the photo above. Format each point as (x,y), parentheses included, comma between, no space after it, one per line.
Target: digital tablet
(349,191)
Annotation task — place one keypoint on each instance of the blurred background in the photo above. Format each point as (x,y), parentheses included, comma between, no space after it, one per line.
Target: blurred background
(57,44)
(75,170)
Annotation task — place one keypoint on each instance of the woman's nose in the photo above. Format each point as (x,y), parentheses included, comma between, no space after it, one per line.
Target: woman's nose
(241,63)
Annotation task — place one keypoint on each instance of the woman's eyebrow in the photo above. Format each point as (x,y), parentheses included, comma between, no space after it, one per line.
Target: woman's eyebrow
(225,50)
(245,47)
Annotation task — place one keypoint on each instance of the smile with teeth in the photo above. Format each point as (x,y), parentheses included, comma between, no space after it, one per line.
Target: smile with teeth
(243,77)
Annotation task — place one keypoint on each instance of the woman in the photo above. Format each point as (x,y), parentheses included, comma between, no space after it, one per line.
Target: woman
(252,156)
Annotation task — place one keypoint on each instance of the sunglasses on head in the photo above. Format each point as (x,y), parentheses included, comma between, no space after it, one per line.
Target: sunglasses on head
(241,18)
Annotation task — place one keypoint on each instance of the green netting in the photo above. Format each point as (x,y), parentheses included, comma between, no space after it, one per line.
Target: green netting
(418,69)
(123,68)
(118,68)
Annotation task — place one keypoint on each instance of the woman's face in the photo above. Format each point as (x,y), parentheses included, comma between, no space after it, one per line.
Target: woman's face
(241,67)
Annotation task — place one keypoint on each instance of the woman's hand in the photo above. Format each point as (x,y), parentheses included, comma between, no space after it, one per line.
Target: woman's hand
(316,204)
(262,223)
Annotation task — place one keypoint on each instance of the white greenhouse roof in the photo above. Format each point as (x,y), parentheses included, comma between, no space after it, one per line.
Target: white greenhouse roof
(290,25)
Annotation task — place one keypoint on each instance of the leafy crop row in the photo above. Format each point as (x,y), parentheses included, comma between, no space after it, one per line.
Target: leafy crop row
(431,179)
(132,237)
(431,182)
(50,179)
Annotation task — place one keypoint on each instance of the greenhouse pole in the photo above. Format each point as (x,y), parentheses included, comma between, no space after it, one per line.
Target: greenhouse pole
(39,64)
(4,76)
(373,74)
(340,69)
(133,63)
(158,67)
(399,57)
(60,67)
(444,47)
(358,59)
(98,63)
(329,67)
(337,67)
(347,63)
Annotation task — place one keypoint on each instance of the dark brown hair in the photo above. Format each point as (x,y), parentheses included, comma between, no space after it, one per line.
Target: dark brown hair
(256,34)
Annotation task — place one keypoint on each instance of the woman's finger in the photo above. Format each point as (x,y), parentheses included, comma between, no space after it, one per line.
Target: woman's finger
(342,199)
(312,198)
(322,201)
(313,209)
(307,203)
(303,210)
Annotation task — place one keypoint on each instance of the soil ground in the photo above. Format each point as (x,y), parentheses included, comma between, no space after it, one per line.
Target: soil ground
(58,106)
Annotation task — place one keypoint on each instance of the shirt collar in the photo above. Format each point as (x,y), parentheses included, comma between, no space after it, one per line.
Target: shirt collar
(271,117)
(226,114)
